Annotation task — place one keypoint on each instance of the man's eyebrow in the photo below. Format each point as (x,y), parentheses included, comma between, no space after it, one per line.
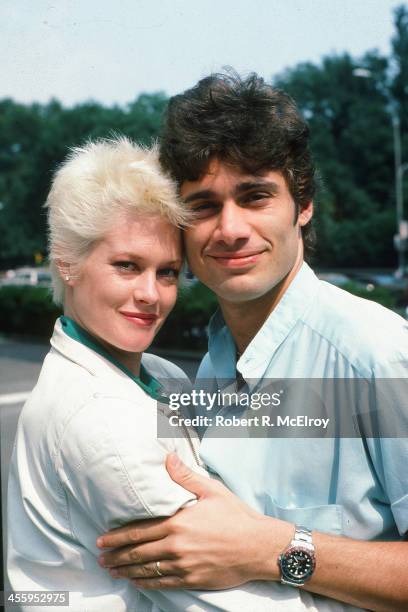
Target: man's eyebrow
(257,184)
(199,195)
(239,189)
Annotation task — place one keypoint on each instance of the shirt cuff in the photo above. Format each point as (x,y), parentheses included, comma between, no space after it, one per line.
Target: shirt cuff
(400,512)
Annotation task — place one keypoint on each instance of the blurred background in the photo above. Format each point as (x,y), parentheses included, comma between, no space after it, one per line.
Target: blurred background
(72,70)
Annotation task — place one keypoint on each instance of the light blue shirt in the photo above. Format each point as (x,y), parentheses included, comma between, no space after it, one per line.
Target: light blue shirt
(356,487)
(87,459)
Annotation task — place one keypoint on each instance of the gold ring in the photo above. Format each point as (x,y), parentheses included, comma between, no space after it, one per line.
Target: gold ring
(157,568)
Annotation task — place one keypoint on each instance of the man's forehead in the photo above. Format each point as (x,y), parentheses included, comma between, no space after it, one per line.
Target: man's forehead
(251,169)
(243,177)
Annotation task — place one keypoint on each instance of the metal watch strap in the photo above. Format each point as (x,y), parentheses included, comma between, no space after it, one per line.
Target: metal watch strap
(303,535)
(302,540)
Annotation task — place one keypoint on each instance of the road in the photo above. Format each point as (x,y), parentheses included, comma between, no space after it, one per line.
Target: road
(20,364)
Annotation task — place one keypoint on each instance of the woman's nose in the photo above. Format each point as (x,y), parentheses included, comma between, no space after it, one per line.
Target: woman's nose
(146,289)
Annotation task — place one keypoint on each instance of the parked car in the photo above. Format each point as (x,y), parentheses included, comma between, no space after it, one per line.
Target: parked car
(389,281)
(40,277)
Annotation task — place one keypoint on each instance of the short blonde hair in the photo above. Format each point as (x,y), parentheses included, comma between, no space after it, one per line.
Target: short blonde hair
(94,185)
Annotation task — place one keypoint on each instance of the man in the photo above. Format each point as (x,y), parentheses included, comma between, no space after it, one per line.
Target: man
(239,152)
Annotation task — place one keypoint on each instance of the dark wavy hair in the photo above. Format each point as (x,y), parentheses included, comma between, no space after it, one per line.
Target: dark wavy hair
(244,122)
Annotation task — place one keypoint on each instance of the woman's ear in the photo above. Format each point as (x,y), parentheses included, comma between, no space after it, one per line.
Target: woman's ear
(64,270)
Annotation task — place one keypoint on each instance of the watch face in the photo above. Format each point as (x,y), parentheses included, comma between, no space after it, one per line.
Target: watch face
(297,564)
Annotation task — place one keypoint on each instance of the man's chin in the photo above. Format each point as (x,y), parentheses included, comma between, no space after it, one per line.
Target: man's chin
(241,293)
(246,287)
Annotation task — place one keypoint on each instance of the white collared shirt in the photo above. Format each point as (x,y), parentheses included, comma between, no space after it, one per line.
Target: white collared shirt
(87,459)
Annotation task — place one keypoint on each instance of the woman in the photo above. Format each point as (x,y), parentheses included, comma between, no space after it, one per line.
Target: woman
(86,457)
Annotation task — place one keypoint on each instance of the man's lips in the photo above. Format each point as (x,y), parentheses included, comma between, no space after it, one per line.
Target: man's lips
(237,259)
(142,319)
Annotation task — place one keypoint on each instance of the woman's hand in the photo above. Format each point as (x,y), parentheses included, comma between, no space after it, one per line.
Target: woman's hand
(219,542)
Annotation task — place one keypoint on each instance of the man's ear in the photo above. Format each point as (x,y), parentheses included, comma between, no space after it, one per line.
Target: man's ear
(306,214)
(65,273)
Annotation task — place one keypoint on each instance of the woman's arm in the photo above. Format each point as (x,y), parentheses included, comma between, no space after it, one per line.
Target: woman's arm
(371,575)
(113,469)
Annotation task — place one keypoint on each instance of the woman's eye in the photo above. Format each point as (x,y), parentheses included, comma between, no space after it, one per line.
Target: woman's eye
(169,273)
(126,266)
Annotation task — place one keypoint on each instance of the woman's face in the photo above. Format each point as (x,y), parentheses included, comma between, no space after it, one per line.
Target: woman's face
(127,285)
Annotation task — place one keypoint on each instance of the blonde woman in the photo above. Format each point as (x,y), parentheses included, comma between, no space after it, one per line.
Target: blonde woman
(86,457)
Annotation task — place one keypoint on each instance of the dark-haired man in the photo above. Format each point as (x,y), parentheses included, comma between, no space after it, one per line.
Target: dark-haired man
(332,511)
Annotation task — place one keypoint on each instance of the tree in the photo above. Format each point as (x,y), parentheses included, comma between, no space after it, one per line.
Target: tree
(350,133)
(35,139)
(399,86)
(352,144)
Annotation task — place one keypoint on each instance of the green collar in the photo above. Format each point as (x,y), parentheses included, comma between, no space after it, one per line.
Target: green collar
(147,382)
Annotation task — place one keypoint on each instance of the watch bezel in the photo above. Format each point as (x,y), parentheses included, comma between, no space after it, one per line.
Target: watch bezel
(285,572)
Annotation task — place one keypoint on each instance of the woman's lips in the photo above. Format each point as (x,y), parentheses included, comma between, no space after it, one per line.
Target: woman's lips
(139,318)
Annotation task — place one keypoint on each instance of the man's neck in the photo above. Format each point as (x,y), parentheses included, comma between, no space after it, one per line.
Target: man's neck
(245,319)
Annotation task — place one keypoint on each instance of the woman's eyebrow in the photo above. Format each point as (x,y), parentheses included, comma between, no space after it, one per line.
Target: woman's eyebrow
(134,257)
(127,255)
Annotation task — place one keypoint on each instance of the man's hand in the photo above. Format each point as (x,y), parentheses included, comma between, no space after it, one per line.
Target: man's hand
(219,542)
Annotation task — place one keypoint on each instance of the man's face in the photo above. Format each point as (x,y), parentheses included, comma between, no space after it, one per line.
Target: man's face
(244,239)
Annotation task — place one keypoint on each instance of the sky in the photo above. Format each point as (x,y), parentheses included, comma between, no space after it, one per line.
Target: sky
(111,51)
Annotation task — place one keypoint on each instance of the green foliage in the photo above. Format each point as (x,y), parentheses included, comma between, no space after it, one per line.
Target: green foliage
(381,295)
(352,141)
(35,139)
(27,310)
(30,311)
(400,64)
(187,324)
(351,137)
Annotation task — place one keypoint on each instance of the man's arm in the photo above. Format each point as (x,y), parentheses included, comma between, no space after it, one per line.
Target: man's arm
(220,542)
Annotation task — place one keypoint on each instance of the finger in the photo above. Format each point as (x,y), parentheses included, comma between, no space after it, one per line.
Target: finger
(130,555)
(166,582)
(146,570)
(134,533)
(193,482)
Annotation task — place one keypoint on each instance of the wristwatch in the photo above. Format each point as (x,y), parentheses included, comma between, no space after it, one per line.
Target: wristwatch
(298,561)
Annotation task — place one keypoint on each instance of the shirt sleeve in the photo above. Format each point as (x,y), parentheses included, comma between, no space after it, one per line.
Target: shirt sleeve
(255,596)
(389,447)
(113,466)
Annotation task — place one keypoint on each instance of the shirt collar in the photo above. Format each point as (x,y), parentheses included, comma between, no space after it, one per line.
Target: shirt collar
(221,347)
(71,340)
(258,354)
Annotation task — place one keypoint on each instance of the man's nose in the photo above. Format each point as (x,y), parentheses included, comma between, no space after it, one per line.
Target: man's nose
(145,289)
(232,224)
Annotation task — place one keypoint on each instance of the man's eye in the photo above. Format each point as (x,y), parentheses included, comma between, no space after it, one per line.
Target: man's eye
(203,209)
(126,266)
(258,196)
